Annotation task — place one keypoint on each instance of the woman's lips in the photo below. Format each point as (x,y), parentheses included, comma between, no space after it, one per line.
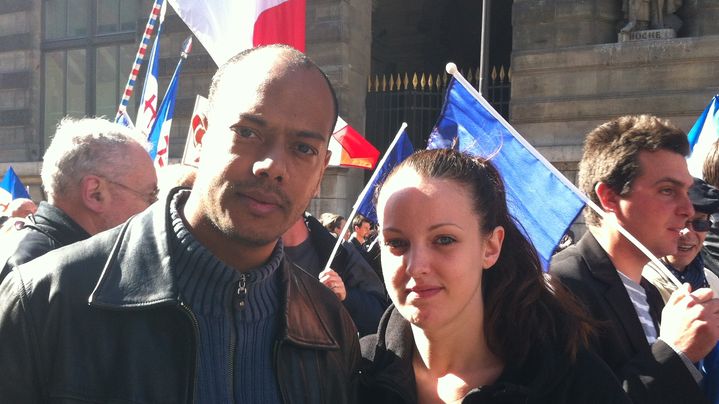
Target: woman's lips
(423,292)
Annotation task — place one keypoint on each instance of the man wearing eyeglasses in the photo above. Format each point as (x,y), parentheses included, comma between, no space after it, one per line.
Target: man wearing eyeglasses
(687,264)
(96,175)
(634,168)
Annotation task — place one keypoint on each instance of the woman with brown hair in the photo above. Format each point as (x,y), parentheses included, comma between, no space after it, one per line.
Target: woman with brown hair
(473,318)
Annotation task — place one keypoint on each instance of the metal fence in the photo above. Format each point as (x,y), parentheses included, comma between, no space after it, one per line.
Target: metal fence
(417,99)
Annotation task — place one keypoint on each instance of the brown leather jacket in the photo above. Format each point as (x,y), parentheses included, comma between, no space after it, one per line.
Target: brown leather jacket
(102,321)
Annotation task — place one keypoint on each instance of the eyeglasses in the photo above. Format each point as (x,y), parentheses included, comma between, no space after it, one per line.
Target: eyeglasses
(699,225)
(150,197)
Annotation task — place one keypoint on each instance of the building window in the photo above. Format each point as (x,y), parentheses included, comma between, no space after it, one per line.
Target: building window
(88,50)
(65,86)
(112,66)
(65,19)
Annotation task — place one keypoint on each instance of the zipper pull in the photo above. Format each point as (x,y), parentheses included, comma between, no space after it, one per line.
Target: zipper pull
(241,294)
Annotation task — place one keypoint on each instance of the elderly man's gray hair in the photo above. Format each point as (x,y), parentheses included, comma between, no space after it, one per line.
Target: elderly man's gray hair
(86,146)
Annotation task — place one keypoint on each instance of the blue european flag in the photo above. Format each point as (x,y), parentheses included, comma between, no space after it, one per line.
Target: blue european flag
(400,149)
(541,200)
(702,137)
(11,188)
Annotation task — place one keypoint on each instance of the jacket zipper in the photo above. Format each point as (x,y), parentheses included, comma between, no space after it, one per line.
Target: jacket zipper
(239,303)
(241,294)
(196,330)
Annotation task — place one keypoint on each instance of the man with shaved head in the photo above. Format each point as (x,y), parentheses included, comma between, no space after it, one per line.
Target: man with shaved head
(193,300)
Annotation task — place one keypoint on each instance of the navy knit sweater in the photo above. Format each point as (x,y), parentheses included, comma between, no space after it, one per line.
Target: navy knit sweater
(237,318)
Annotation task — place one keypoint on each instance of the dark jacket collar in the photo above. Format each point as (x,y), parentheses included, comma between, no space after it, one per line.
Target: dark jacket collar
(387,356)
(304,324)
(55,223)
(388,362)
(597,260)
(323,242)
(138,274)
(603,270)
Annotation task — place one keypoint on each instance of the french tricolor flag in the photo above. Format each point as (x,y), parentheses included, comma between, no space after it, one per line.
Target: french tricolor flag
(350,149)
(227,27)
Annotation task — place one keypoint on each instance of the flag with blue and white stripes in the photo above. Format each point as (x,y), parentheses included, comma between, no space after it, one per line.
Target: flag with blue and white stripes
(159,136)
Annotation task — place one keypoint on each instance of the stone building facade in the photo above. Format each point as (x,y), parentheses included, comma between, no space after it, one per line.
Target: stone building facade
(569,72)
(62,57)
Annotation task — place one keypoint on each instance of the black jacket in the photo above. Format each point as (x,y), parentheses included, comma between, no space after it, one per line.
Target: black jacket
(372,256)
(102,321)
(710,251)
(547,376)
(649,374)
(49,228)
(366,297)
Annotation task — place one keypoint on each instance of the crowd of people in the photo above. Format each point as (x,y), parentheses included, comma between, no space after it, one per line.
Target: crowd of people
(214,284)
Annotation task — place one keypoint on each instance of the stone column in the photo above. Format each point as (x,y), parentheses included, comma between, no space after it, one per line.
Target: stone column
(699,17)
(561,23)
(339,41)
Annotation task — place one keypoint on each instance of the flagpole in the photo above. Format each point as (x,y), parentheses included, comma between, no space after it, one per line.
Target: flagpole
(483,51)
(149,28)
(452,69)
(150,86)
(155,136)
(362,194)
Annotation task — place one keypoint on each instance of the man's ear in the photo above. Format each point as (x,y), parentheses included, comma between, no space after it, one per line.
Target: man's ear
(608,199)
(93,193)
